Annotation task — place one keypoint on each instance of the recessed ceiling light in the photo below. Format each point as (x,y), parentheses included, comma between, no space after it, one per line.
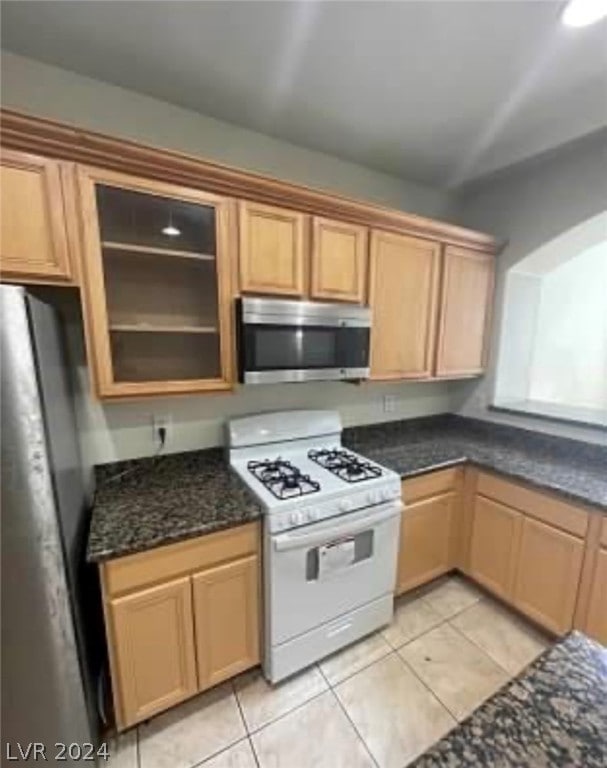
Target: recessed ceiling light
(581,13)
(171,231)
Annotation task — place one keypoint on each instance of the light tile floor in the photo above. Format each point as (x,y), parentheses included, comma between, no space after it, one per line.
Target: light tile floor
(377,704)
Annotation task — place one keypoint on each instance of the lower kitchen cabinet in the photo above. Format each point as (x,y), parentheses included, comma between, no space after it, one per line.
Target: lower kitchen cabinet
(540,554)
(226,609)
(181,618)
(547,575)
(428,527)
(596,623)
(493,546)
(154,648)
(528,548)
(426,536)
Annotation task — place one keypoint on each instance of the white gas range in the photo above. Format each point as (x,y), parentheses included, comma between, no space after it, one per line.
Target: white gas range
(331,529)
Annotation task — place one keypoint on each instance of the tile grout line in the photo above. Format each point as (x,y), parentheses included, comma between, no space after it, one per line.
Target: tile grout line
(239,705)
(254,751)
(254,731)
(416,637)
(348,718)
(511,675)
(212,756)
(427,687)
(246,726)
(138,747)
(389,650)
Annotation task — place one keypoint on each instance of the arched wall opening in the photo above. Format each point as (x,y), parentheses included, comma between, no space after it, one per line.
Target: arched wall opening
(552,357)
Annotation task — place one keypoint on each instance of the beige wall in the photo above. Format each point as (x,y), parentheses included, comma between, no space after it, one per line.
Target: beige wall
(124,430)
(47,91)
(529,205)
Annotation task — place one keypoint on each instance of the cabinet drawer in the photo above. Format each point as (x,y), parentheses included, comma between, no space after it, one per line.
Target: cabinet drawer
(431,484)
(535,504)
(156,565)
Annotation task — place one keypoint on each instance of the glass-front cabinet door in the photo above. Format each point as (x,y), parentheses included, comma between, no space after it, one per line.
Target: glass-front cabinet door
(156,284)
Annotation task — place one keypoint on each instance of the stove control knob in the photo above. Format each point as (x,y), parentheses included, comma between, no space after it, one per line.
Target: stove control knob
(311,515)
(372,497)
(345,505)
(387,495)
(294,518)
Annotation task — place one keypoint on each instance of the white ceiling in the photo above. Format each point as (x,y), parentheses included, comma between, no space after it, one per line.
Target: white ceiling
(440,92)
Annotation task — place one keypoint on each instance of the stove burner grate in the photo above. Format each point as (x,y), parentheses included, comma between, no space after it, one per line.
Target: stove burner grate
(344,464)
(282,479)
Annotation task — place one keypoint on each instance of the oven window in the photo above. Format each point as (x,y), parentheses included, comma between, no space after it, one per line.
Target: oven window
(269,347)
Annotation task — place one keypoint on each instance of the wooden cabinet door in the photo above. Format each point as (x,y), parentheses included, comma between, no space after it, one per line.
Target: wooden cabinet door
(226,613)
(272,250)
(403,290)
(467,292)
(339,261)
(156,285)
(153,649)
(547,575)
(596,624)
(33,230)
(425,541)
(494,545)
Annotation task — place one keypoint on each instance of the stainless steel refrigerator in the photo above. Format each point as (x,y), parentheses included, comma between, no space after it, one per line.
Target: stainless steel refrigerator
(50,622)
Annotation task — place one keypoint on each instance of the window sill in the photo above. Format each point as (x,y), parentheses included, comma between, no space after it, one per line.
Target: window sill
(582,417)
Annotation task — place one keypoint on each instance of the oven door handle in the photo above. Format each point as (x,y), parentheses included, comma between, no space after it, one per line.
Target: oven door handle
(286,541)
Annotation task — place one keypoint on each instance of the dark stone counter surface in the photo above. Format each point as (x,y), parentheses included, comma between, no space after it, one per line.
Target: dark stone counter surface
(144,503)
(575,469)
(149,502)
(554,714)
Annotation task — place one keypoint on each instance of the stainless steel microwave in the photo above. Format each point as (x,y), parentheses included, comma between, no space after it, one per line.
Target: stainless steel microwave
(281,341)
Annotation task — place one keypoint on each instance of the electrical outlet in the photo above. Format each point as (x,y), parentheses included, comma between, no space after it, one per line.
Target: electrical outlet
(389,403)
(160,422)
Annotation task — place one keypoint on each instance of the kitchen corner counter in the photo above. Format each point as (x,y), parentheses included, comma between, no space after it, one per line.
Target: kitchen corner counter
(555,713)
(574,469)
(149,502)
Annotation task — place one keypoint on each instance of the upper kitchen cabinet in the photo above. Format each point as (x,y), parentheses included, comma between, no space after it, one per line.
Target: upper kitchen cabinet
(34,237)
(403,294)
(339,261)
(272,250)
(156,286)
(467,292)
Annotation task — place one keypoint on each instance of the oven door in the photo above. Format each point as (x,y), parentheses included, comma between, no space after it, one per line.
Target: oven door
(316,573)
(281,341)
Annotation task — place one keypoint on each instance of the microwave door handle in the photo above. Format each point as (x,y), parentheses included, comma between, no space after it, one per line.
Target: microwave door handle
(287,541)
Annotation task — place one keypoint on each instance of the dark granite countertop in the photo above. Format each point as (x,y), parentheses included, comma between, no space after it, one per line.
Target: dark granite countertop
(145,503)
(148,502)
(575,469)
(554,714)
